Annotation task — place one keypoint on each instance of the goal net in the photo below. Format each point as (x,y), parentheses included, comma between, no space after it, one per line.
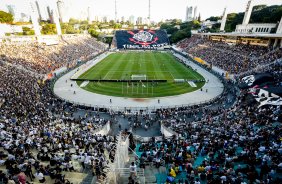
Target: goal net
(139,77)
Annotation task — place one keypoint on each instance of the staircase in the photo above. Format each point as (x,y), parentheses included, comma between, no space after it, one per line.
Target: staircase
(124,174)
(89,179)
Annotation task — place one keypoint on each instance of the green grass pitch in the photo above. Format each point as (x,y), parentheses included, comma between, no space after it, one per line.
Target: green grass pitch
(155,65)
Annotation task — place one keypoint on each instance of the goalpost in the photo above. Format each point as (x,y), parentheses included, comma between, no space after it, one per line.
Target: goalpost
(138,85)
(139,77)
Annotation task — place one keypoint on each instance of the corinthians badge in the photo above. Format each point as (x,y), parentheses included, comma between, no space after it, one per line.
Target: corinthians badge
(143,37)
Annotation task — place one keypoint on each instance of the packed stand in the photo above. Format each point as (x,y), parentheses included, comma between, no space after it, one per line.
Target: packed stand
(43,58)
(232,58)
(41,137)
(242,144)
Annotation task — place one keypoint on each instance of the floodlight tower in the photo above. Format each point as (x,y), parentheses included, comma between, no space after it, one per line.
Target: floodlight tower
(248,12)
(223,20)
(34,18)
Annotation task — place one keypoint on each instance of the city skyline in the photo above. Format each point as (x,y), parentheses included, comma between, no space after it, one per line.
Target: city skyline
(126,8)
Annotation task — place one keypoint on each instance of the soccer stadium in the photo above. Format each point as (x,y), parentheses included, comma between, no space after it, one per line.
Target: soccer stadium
(108,92)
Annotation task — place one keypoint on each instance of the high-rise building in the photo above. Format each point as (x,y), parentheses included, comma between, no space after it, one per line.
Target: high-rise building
(97,18)
(248,12)
(139,21)
(105,19)
(131,20)
(195,13)
(122,19)
(38,10)
(24,17)
(50,15)
(189,13)
(89,18)
(11,9)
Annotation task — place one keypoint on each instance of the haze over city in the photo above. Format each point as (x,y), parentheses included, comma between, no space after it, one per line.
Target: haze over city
(159,8)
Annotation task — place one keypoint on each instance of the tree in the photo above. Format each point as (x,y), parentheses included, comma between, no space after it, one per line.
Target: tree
(70,29)
(83,27)
(171,30)
(179,35)
(49,29)
(258,7)
(212,18)
(6,17)
(176,21)
(232,20)
(93,33)
(260,14)
(117,26)
(165,26)
(196,24)
(27,31)
(73,21)
(84,22)
(263,14)
(64,27)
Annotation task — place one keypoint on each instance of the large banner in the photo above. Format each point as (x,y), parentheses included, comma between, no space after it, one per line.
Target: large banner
(141,39)
(265,97)
(253,80)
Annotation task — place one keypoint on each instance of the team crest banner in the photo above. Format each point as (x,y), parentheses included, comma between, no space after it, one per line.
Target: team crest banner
(141,39)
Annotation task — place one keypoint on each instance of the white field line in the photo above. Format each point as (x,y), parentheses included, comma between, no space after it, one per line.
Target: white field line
(105,78)
(192,84)
(171,75)
(84,84)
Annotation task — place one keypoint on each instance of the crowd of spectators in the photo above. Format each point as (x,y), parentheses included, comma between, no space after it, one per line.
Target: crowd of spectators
(242,144)
(43,58)
(42,136)
(216,142)
(233,58)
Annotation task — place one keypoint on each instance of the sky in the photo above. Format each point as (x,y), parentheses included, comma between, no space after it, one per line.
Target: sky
(160,9)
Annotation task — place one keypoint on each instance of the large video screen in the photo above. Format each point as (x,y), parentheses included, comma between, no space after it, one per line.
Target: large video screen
(141,39)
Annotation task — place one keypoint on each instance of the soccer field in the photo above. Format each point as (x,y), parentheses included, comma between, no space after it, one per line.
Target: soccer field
(153,65)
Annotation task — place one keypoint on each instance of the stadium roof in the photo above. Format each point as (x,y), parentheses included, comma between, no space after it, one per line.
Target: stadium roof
(244,35)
